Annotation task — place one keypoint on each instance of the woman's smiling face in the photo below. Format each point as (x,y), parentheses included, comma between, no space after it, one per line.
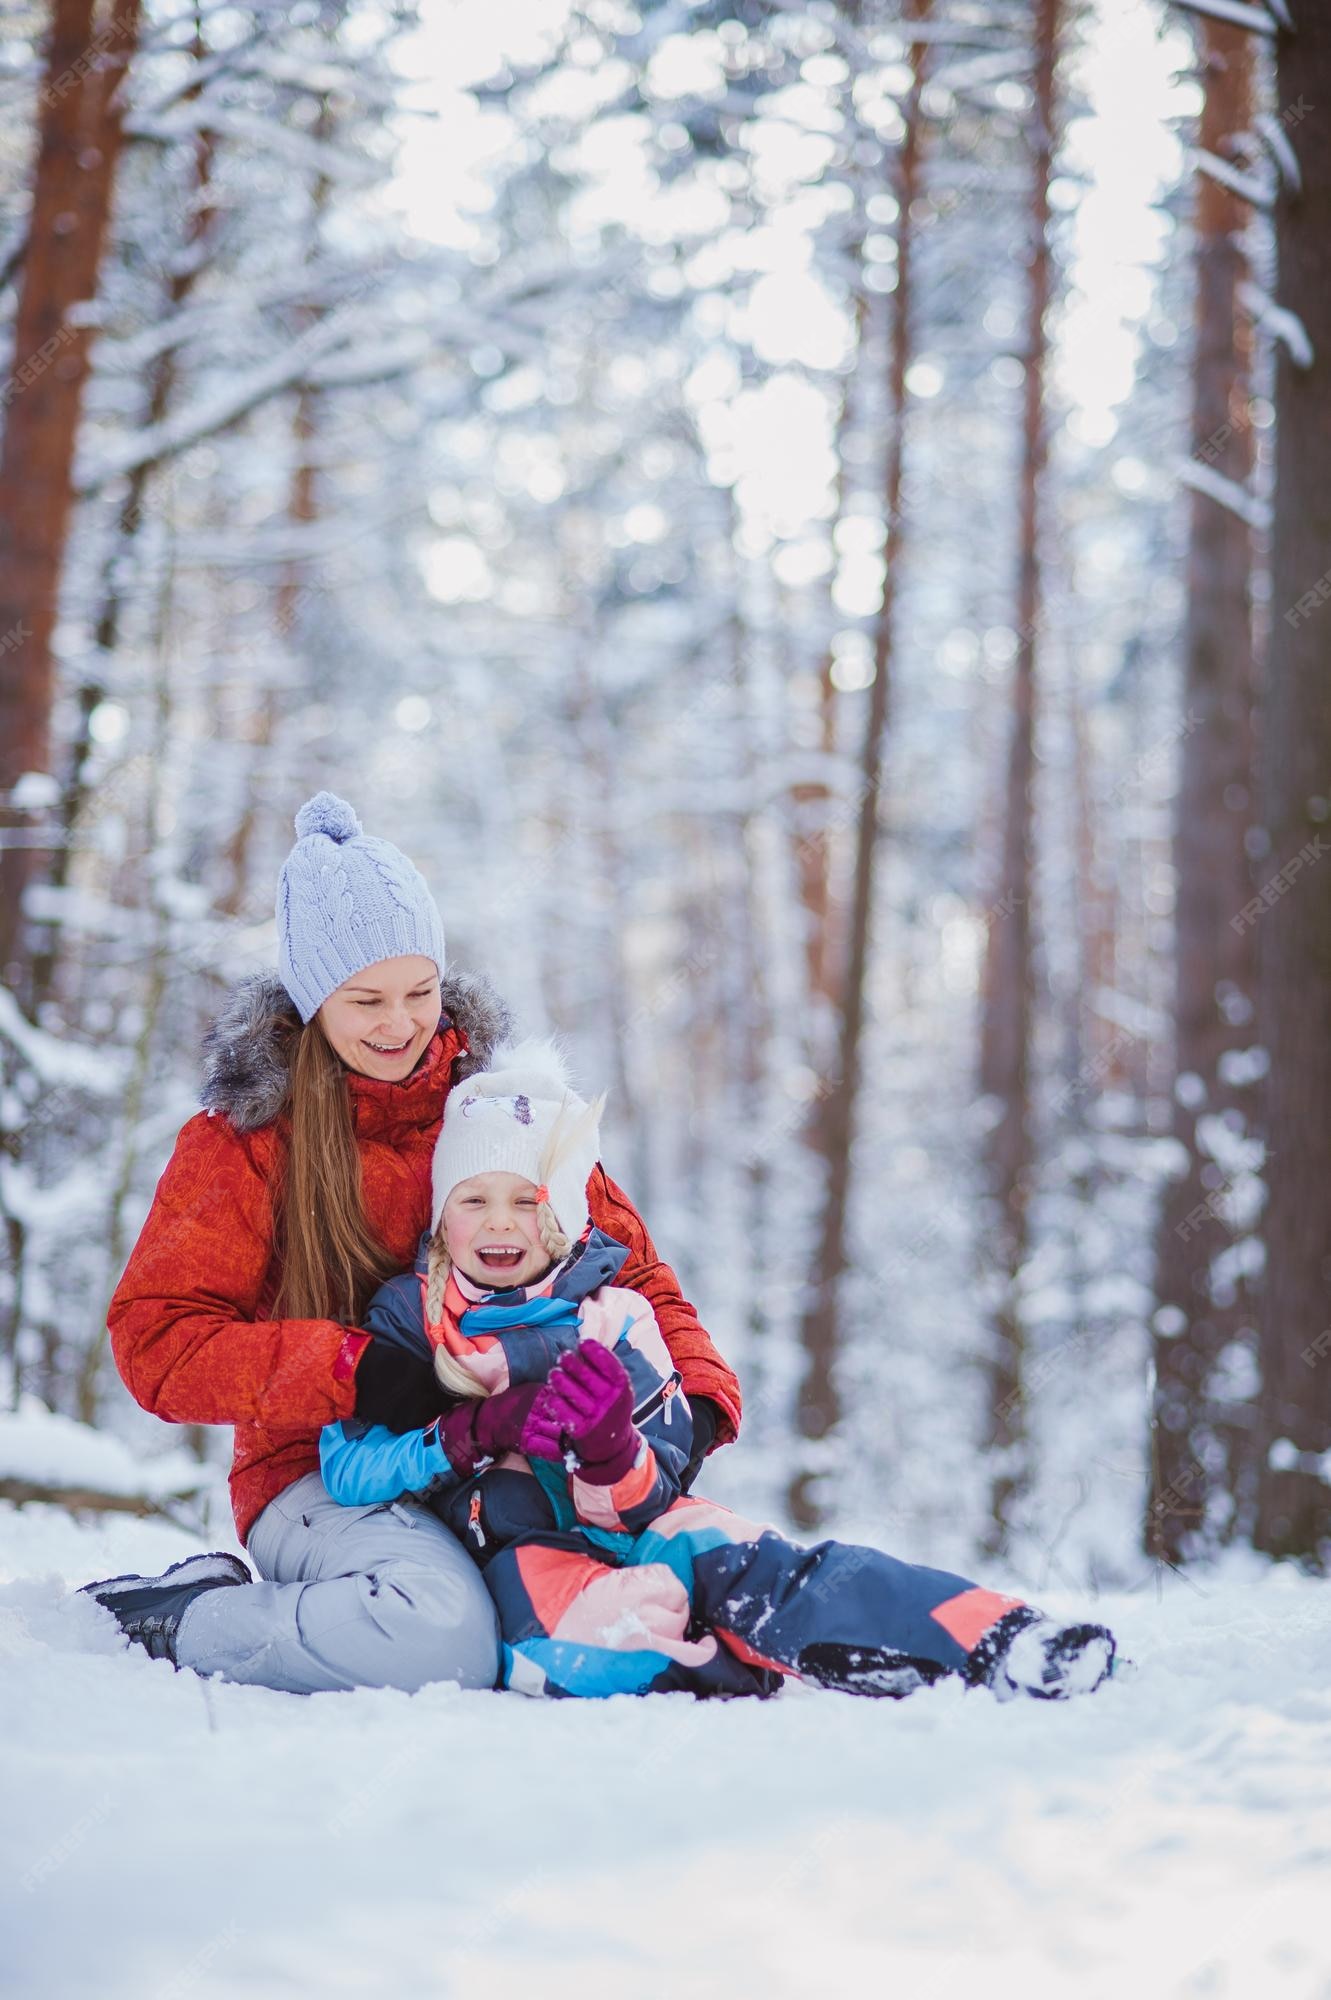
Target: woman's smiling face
(380,1020)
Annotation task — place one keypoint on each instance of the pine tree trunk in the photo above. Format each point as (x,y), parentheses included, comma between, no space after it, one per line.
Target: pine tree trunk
(818,1407)
(90,1372)
(78,146)
(187,270)
(1195,1447)
(815,804)
(1008,985)
(1293,916)
(751,1005)
(1097,1064)
(302,510)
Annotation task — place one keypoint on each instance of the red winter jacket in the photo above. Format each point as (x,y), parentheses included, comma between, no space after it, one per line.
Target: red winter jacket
(189,1321)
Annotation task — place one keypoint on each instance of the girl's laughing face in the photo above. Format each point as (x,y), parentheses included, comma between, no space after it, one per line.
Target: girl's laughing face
(491,1232)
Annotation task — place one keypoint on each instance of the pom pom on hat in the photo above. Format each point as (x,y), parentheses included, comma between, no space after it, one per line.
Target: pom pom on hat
(328,814)
(530,1068)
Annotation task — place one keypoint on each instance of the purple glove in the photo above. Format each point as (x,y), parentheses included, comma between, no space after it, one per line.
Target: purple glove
(592,1399)
(543,1432)
(486,1427)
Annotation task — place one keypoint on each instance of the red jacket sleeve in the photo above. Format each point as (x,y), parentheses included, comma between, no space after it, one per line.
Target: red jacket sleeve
(703,1370)
(182,1322)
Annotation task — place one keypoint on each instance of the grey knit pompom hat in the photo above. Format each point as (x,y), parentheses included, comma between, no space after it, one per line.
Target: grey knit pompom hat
(345,901)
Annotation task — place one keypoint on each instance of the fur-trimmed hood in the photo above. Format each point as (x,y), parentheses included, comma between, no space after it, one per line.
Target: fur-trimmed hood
(245,1073)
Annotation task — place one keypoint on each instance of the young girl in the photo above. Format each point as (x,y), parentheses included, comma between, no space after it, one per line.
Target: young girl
(558,1461)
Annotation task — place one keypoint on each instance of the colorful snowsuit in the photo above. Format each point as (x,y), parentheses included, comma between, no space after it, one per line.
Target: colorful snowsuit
(635,1587)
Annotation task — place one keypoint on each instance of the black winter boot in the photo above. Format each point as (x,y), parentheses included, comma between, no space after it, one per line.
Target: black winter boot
(150,1608)
(1029,1654)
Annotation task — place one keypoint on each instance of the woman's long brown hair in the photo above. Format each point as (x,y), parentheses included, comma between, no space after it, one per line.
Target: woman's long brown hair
(331,1259)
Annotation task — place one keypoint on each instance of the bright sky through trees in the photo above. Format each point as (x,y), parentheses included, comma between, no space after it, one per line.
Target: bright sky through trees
(774,440)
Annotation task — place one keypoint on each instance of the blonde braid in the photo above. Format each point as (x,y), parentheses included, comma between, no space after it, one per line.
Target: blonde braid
(436,1277)
(449,1372)
(553,1240)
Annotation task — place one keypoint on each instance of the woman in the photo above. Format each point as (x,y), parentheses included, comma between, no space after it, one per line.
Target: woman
(303,1184)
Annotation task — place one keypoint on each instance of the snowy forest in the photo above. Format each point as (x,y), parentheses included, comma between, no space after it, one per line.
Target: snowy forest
(809,523)
(843,639)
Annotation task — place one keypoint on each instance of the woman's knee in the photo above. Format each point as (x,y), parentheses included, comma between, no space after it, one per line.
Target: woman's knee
(390,1599)
(436,1623)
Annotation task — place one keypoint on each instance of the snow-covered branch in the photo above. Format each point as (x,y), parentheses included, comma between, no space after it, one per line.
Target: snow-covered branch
(996,66)
(342,349)
(1277,142)
(192,82)
(1236,11)
(322,288)
(1282,324)
(1227,493)
(298,149)
(215,413)
(1246,186)
(55,1061)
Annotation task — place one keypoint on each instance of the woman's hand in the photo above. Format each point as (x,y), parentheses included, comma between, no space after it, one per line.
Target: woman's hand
(396,1388)
(591,1402)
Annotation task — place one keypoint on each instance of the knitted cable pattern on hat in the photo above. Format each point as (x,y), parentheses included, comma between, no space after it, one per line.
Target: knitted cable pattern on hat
(346,900)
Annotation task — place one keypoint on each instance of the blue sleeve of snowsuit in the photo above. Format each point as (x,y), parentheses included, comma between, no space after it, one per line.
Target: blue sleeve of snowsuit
(363,1465)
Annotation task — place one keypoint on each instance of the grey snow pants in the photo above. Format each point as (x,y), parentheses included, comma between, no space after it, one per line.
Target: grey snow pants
(351,1597)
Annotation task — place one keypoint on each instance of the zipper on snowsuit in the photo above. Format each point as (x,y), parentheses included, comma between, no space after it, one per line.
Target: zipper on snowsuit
(659,1399)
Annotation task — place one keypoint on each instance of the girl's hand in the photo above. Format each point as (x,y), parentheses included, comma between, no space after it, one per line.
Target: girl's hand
(593,1403)
(486,1427)
(542,1433)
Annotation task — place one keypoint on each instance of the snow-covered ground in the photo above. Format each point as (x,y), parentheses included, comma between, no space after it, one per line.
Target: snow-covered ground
(163,1835)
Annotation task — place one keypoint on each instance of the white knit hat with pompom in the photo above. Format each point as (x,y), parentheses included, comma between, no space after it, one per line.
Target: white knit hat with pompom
(521,1116)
